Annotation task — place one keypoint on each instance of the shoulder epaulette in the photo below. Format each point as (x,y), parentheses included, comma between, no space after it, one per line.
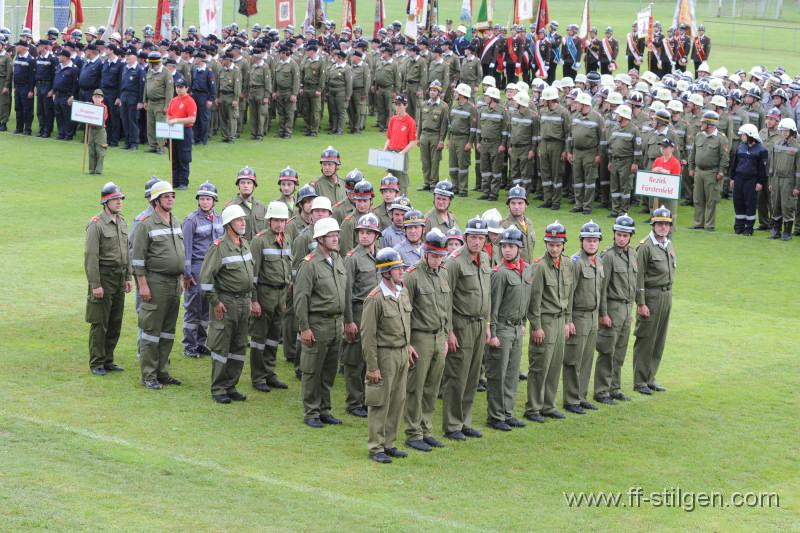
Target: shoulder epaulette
(643,240)
(339,203)
(348,217)
(496,268)
(216,242)
(308,257)
(576,258)
(350,253)
(410,269)
(229,202)
(95,219)
(373,292)
(537,260)
(261,233)
(314,183)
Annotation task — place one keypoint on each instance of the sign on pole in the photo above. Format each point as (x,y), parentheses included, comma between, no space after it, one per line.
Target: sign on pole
(387,159)
(659,185)
(169,131)
(87,113)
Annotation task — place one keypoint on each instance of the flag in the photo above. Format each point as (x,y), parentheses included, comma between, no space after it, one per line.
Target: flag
(163,20)
(380,13)
(466,12)
(284,13)
(542,16)
(485,15)
(411,20)
(348,13)
(523,11)
(32,18)
(314,14)
(75,19)
(684,14)
(210,16)
(248,8)
(116,17)
(583,29)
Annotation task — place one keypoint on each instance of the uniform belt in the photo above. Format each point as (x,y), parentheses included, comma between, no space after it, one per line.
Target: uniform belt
(107,268)
(327,315)
(508,322)
(663,288)
(234,294)
(619,300)
(470,318)
(586,310)
(553,315)
(226,93)
(273,286)
(427,331)
(161,101)
(706,169)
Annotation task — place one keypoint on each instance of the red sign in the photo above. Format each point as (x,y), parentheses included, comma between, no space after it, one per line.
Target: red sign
(284,13)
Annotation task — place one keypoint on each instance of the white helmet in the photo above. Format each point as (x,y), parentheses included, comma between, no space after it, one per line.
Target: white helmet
(624,111)
(489,80)
(664,95)
(493,92)
(750,130)
(522,99)
(549,93)
(325,226)
(231,213)
(321,202)
(581,78)
(159,188)
(464,90)
(614,98)
(657,105)
(787,124)
(719,101)
(511,87)
(696,99)
(584,98)
(567,82)
(523,87)
(277,210)
(704,67)
(675,105)
(493,220)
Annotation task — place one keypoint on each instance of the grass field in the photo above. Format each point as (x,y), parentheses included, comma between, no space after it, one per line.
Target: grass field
(734,47)
(85,453)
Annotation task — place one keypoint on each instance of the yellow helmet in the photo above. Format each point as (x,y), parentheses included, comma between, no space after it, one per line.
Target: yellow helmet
(159,188)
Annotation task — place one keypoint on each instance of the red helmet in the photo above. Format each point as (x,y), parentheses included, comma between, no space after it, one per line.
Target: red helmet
(288,174)
(330,155)
(247,173)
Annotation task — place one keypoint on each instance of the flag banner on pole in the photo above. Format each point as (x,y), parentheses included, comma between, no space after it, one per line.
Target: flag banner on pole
(163,20)
(523,11)
(32,18)
(314,14)
(115,17)
(466,12)
(284,13)
(410,30)
(583,29)
(348,13)
(542,16)
(684,14)
(380,14)
(422,14)
(643,21)
(248,8)
(60,13)
(485,15)
(75,18)
(210,17)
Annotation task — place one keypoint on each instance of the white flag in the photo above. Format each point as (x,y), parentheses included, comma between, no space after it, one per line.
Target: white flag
(583,29)
(210,16)
(643,22)
(525,10)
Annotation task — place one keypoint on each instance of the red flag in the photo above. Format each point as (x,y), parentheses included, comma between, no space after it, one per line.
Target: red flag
(379,14)
(542,16)
(163,20)
(75,19)
(284,13)
(32,17)
(348,13)
(248,8)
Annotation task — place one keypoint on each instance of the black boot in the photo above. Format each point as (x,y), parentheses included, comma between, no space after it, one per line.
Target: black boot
(775,229)
(787,231)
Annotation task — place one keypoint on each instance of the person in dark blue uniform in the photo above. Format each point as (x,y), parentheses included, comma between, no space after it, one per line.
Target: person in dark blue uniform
(204,87)
(142,116)
(46,64)
(65,90)
(24,85)
(131,92)
(91,72)
(748,176)
(110,83)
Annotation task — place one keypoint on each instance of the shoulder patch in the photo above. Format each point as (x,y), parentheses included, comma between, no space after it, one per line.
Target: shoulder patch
(216,242)
(350,253)
(308,257)
(496,268)
(537,260)
(95,219)
(373,292)
(576,258)
(348,217)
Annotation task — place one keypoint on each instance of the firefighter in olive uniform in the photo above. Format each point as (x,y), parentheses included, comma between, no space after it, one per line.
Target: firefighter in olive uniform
(226,280)
(463,134)
(255,210)
(708,164)
(361,279)
(624,154)
(259,93)
(517,202)
(511,292)
(386,355)
(469,279)
(108,271)
(158,91)
(784,178)
(272,264)
(493,128)
(319,293)
(313,78)
(656,263)
(524,140)
(550,315)
(616,315)
(432,132)
(339,87)
(287,86)
(579,349)
(586,147)
(158,262)
(555,123)
(362,80)
(431,318)
(229,87)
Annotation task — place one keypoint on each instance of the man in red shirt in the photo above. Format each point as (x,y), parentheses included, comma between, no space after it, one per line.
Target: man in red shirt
(401,136)
(182,110)
(667,164)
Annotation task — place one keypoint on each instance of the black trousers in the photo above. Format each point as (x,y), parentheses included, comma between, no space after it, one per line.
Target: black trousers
(45,107)
(569,71)
(181,157)
(203,121)
(130,123)
(114,124)
(23,107)
(745,199)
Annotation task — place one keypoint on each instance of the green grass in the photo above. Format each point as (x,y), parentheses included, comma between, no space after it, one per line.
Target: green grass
(739,47)
(80,452)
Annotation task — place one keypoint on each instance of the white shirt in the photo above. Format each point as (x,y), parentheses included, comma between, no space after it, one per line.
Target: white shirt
(388,292)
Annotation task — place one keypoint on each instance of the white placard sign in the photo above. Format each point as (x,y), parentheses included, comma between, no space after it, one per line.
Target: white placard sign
(87,113)
(661,185)
(167,131)
(387,159)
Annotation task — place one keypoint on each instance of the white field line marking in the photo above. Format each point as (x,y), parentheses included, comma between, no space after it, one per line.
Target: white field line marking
(210,465)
